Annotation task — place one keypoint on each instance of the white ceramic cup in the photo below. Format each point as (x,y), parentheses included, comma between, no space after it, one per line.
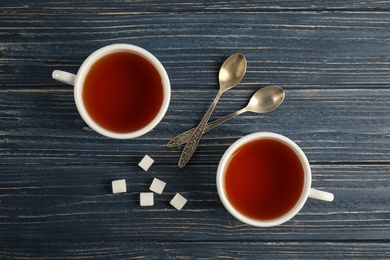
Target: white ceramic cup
(78,82)
(307,191)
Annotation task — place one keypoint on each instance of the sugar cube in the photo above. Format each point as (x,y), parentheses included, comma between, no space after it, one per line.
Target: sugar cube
(146,162)
(146,199)
(178,201)
(119,186)
(157,186)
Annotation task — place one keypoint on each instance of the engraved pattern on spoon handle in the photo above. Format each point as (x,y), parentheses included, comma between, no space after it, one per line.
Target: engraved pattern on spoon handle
(193,142)
(185,136)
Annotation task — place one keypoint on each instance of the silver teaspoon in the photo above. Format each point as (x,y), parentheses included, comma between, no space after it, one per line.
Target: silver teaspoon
(230,74)
(263,101)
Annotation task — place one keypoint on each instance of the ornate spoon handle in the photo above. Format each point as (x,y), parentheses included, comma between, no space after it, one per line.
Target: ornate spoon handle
(185,136)
(193,142)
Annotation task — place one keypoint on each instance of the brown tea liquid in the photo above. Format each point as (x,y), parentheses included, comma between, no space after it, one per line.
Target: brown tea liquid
(264,179)
(123,92)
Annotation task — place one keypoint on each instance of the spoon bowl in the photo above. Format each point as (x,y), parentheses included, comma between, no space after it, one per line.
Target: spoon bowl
(266,99)
(232,71)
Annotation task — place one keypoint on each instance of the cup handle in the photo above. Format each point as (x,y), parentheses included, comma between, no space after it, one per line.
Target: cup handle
(64,77)
(321,195)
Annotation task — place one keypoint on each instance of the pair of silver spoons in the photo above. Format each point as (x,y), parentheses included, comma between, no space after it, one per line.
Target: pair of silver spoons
(231,73)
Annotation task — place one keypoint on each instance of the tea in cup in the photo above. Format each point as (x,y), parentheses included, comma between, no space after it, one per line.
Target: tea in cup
(264,179)
(121,91)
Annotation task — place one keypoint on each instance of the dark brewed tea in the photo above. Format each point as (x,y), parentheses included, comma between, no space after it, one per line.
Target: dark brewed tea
(264,179)
(123,92)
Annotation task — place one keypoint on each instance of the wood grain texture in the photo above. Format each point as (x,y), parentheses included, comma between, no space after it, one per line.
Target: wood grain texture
(332,59)
(203,250)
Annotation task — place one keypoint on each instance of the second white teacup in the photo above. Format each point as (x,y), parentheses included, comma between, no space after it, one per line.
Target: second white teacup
(264,179)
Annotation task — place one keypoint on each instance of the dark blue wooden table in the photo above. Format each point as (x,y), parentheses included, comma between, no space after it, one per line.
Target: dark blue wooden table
(331,57)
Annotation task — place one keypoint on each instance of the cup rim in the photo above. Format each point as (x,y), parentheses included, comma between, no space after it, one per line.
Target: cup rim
(221,173)
(83,71)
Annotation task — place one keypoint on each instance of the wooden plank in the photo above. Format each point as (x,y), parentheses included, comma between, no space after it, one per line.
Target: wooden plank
(295,48)
(198,250)
(195,5)
(74,203)
(331,125)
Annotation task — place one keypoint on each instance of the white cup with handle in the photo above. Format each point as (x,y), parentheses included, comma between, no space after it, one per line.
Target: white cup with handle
(135,55)
(258,201)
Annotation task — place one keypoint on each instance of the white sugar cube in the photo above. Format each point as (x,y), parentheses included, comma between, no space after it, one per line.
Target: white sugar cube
(146,199)
(178,201)
(146,162)
(118,186)
(157,186)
